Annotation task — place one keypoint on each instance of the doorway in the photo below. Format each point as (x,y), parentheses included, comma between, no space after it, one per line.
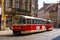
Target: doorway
(8,22)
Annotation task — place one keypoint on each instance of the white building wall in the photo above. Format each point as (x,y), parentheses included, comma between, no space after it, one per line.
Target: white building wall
(58,14)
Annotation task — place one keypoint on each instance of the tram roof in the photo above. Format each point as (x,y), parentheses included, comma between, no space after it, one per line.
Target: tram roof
(50,21)
(29,17)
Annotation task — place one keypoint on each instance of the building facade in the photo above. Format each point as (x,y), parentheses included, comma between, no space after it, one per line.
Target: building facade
(41,13)
(19,7)
(34,8)
(58,13)
(22,7)
(52,13)
(2,14)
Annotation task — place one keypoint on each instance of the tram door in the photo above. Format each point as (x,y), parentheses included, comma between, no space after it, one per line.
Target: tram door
(8,23)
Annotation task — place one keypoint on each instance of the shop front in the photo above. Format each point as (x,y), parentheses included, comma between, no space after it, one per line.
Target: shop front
(7,22)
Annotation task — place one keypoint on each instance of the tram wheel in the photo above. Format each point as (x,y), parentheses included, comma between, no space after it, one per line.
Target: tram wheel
(17,33)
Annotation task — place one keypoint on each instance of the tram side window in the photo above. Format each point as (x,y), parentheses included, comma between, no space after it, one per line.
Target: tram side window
(47,22)
(21,21)
(28,21)
(44,22)
(39,22)
(34,21)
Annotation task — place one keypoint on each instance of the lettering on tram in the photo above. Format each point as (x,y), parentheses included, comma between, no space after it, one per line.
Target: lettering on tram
(26,24)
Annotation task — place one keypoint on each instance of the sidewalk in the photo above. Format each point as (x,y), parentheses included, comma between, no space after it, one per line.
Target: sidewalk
(6,32)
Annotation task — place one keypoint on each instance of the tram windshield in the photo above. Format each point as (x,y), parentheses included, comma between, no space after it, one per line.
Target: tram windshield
(49,22)
(19,20)
(28,20)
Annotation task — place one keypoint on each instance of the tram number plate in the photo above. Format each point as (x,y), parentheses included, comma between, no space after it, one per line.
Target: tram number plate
(37,27)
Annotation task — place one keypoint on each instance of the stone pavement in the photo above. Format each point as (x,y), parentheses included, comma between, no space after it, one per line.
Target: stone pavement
(6,32)
(48,35)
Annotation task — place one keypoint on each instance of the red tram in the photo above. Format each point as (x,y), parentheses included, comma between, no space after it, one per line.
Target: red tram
(26,24)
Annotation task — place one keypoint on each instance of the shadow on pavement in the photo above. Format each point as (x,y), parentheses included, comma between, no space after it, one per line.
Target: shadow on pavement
(20,35)
(57,38)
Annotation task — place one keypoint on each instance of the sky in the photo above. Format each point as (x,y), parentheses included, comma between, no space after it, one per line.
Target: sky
(40,2)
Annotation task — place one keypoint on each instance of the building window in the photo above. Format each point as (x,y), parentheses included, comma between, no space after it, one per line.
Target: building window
(9,3)
(28,21)
(17,3)
(28,5)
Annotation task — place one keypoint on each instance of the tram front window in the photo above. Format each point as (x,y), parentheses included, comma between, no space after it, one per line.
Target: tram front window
(19,20)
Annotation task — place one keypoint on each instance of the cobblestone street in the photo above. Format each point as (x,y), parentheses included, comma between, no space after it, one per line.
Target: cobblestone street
(49,35)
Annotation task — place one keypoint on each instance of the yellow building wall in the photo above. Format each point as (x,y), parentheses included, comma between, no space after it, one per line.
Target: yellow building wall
(3,17)
(4,22)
